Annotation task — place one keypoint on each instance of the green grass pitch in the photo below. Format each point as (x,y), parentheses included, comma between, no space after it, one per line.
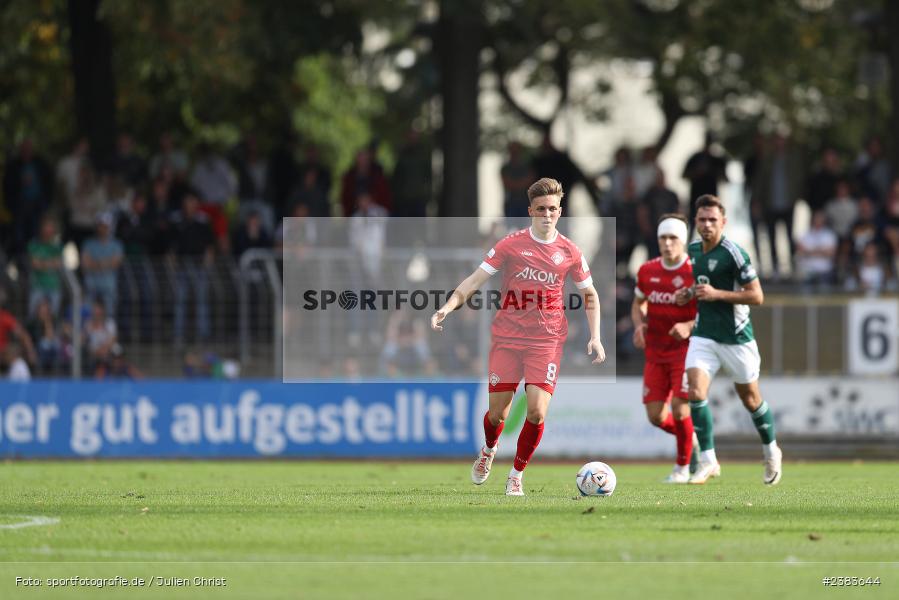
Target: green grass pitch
(421,530)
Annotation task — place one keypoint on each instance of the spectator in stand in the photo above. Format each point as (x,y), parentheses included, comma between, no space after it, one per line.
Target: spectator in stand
(406,352)
(312,163)
(117,366)
(101,259)
(822,185)
(251,234)
(751,167)
(118,195)
(619,174)
(192,251)
(10,328)
(660,200)
(283,173)
(45,257)
(871,274)
(127,163)
(646,171)
(777,187)
(704,170)
(252,178)
(300,236)
(88,201)
(68,170)
(367,238)
(16,368)
(45,333)
(462,338)
(866,229)
(100,334)
(816,252)
(137,229)
(842,209)
(872,171)
(891,224)
(216,185)
(168,157)
(517,176)
(627,225)
(553,163)
(311,192)
(752,163)
(27,191)
(365,178)
(412,177)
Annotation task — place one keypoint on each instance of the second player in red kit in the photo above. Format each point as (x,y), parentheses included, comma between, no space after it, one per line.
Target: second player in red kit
(530,326)
(662,329)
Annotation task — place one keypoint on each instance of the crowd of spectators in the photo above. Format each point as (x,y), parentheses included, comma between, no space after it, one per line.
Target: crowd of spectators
(188,207)
(171,205)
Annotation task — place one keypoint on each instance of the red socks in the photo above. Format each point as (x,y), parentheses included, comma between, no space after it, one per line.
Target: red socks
(528,440)
(668,424)
(683,430)
(491,431)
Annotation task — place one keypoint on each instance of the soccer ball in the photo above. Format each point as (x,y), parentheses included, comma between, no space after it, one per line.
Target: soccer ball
(596,479)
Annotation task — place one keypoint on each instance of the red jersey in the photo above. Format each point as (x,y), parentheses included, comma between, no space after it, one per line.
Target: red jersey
(657,283)
(531,303)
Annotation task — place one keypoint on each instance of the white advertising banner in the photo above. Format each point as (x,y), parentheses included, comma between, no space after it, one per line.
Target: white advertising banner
(873,337)
(590,419)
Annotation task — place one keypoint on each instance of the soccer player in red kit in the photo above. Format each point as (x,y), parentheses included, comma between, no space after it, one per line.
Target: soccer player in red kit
(662,328)
(530,327)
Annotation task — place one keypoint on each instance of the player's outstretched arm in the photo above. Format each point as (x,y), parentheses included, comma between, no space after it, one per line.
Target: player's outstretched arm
(591,307)
(460,295)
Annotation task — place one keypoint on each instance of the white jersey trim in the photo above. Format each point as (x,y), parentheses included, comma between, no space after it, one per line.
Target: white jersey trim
(675,267)
(539,241)
(584,284)
(490,270)
(735,252)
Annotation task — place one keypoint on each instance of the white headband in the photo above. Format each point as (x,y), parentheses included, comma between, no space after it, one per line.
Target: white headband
(674,227)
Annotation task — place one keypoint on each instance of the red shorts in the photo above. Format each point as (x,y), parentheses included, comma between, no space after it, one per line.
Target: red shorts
(508,363)
(663,380)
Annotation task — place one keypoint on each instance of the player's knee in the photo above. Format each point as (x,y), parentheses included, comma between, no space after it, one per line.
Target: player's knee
(655,419)
(536,416)
(695,393)
(495,418)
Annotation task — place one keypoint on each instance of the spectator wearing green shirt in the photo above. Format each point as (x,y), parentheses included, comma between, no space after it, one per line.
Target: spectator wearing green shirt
(45,257)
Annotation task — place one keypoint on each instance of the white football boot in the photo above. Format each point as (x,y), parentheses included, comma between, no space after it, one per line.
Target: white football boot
(480,470)
(774,467)
(678,474)
(705,471)
(514,486)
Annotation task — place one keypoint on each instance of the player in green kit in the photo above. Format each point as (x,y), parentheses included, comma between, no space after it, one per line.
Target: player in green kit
(722,338)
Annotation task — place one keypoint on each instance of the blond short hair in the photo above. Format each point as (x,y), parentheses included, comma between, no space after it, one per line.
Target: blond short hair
(545,186)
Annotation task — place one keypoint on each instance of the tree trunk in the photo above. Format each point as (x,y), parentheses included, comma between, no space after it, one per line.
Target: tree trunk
(891,13)
(91,48)
(460,37)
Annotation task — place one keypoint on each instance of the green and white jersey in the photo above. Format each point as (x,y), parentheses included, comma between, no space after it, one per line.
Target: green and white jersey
(724,267)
